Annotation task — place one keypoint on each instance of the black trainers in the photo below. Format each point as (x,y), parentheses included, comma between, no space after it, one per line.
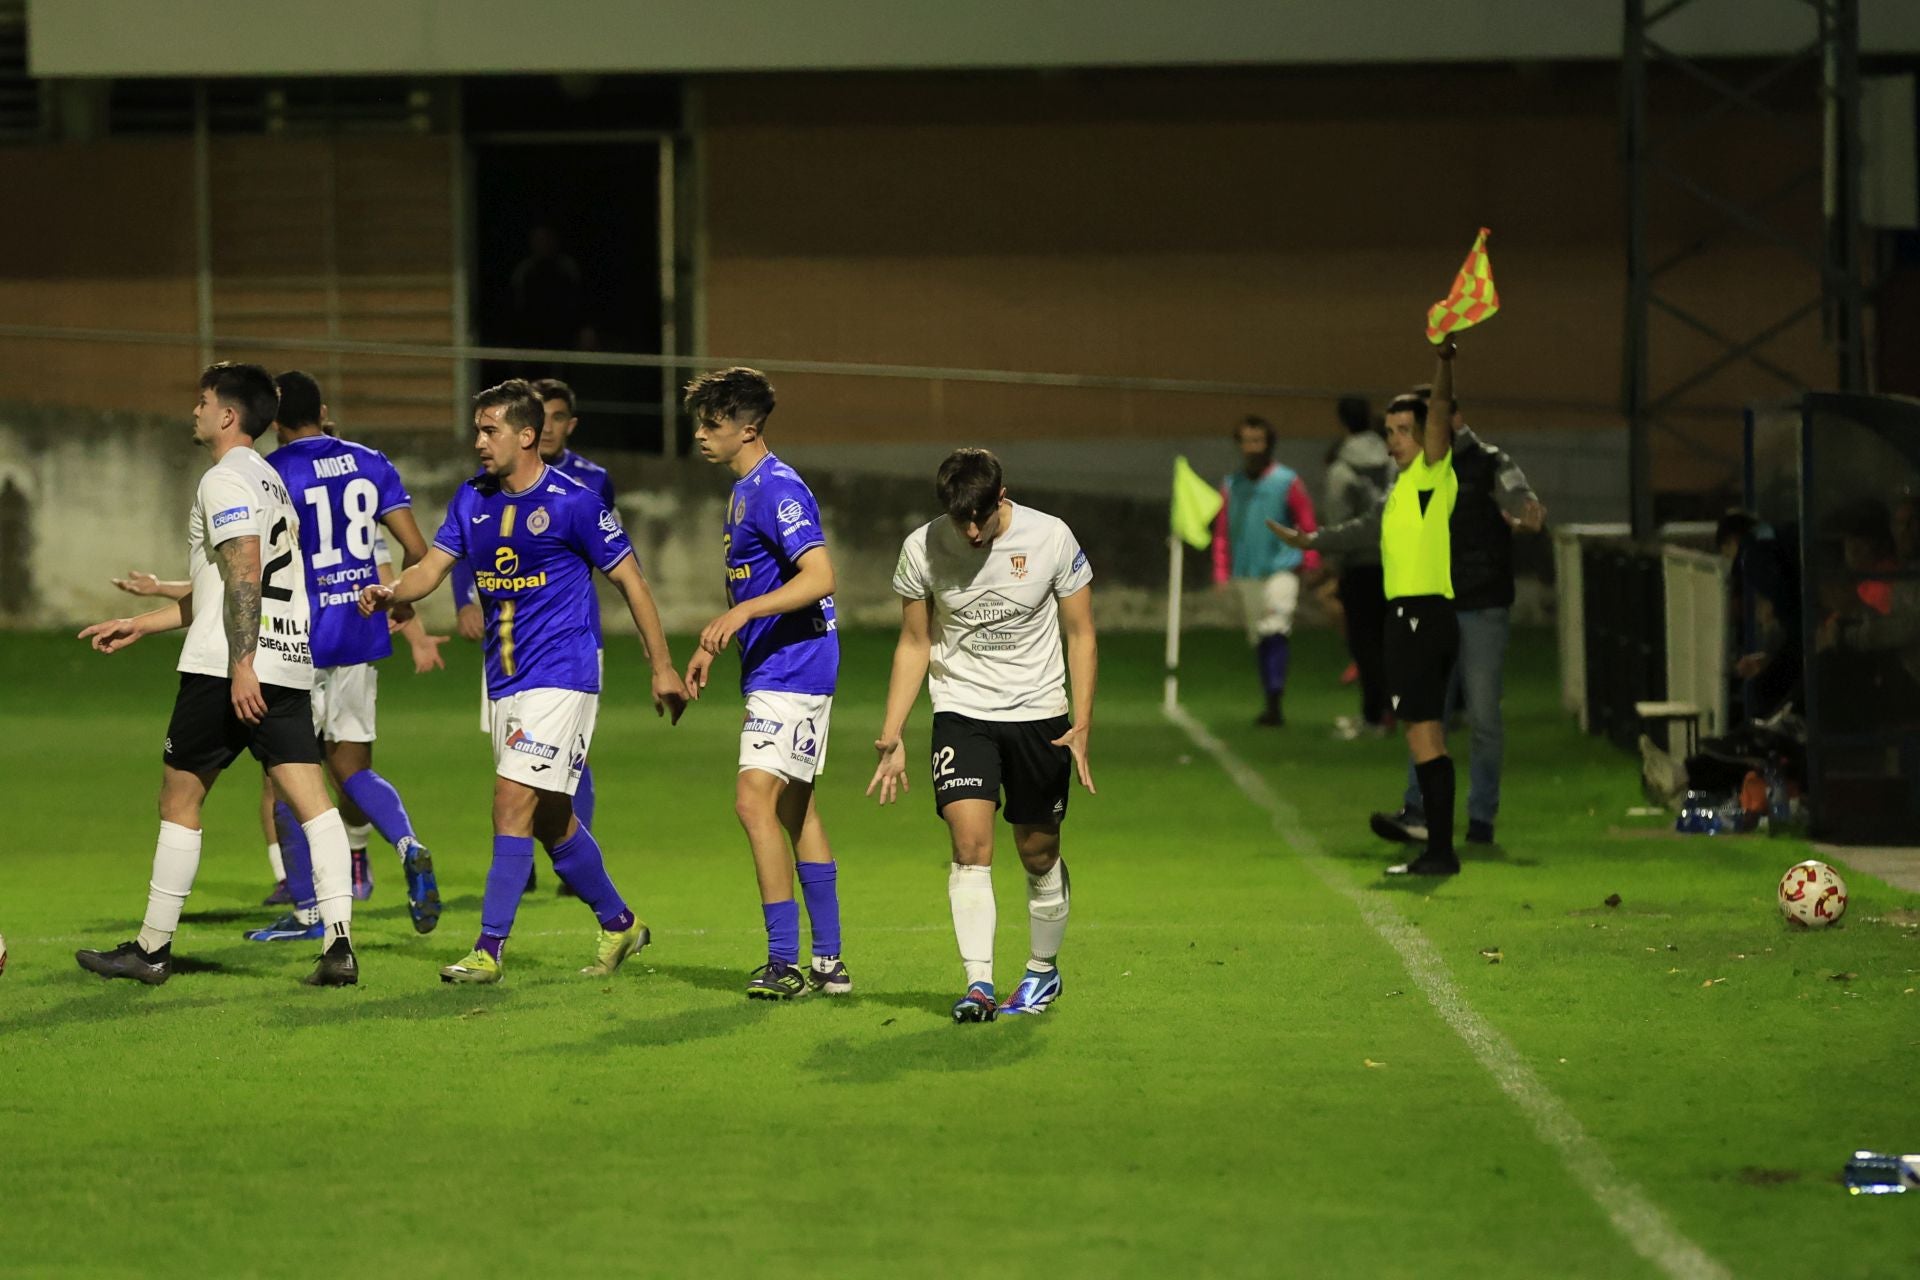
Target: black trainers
(1404,827)
(336,967)
(1479,832)
(1427,864)
(775,981)
(128,961)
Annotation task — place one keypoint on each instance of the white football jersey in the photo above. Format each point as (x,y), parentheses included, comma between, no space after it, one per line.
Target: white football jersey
(242,494)
(996,621)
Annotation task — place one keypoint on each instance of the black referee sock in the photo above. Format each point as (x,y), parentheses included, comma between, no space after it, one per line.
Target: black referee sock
(1436,789)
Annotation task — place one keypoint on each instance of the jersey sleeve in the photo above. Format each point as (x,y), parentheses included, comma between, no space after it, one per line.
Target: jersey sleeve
(393,494)
(788,518)
(1071,570)
(594,531)
(452,537)
(910,571)
(605,486)
(230,507)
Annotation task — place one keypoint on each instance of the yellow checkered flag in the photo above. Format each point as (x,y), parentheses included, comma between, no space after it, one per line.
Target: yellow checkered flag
(1473,298)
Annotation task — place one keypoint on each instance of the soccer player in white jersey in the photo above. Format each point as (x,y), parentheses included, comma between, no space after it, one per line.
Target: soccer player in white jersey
(986,592)
(246,676)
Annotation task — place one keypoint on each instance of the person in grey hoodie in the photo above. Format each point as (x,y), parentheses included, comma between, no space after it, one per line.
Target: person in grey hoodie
(1357,482)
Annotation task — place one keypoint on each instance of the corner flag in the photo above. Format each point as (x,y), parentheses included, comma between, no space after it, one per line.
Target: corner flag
(1472,299)
(1195,504)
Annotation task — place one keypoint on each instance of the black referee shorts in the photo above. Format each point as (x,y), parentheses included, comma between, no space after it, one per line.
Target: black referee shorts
(974,759)
(205,736)
(1422,644)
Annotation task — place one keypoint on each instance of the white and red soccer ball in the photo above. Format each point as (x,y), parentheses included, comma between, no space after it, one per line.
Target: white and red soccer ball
(1813,894)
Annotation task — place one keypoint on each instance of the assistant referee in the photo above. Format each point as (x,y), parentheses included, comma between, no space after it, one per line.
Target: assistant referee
(1423,635)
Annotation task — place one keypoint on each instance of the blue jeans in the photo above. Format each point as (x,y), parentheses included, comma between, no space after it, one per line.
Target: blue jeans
(1480,675)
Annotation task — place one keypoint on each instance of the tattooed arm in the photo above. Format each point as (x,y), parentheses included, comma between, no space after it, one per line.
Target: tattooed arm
(240,570)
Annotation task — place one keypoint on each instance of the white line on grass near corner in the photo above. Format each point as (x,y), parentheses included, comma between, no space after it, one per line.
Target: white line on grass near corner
(1633,1215)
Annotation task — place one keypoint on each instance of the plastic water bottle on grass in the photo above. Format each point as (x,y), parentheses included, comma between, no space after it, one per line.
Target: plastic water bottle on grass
(1871,1174)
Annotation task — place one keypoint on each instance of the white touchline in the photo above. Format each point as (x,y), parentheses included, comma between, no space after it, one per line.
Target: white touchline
(1633,1215)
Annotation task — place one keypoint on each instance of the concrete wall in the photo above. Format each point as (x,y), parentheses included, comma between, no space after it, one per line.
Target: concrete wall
(108,493)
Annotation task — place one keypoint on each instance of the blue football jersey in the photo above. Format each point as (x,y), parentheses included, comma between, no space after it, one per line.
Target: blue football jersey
(772,520)
(532,555)
(342,491)
(591,475)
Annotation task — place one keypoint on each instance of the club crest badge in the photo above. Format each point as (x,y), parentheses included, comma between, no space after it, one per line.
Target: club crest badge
(1019,566)
(537,522)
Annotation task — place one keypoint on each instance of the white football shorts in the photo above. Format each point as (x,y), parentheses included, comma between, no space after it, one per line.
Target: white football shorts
(785,734)
(1269,603)
(343,699)
(486,703)
(541,736)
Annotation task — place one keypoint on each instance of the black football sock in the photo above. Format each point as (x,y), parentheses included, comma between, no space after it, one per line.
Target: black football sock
(1436,788)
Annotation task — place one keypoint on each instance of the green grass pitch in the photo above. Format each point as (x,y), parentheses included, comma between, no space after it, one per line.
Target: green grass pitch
(1241,1079)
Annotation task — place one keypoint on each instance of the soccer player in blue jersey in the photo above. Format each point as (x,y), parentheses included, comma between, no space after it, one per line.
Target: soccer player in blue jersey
(533,538)
(561,418)
(780,586)
(344,493)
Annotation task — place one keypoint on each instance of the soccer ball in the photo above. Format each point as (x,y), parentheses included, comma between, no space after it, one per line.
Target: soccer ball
(1813,894)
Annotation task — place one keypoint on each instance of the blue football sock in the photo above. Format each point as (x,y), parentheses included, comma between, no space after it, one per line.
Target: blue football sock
(295,855)
(506,882)
(818,885)
(577,860)
(783,931)
(381,803)
(583,796)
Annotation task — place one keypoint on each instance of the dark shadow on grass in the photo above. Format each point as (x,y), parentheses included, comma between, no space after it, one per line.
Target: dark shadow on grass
(706,977)
(440,1002)
(1421,886)
(256,916)
(679,1028)
(946,1048)
(113,1002)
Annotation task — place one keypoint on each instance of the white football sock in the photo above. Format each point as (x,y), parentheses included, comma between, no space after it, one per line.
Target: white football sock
(357,837)
(278,863)
(970,894)
(176,860)
(1047,900)
(332,872)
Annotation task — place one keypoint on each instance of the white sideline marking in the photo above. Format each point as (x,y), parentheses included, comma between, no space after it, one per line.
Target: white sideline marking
(1632,1214)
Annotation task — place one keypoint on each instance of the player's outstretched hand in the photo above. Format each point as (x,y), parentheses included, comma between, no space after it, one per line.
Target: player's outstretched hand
(890,775)
(1532,517)
(1075,741)
(248,702)
(112,635)
(471,625)
(697,671)
(138,582)
(1289,535)
(426,653)
(719,633)
(374,598)
(669,694)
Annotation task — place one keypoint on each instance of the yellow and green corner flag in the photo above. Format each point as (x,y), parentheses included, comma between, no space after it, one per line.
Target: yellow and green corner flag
(1472,298)
(1195,504)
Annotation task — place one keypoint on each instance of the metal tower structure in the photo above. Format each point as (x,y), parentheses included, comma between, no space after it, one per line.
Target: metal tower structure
(1833,287)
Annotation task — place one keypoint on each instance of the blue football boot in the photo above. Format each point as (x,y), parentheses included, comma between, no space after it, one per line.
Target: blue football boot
(977,1005)
(1035,992)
